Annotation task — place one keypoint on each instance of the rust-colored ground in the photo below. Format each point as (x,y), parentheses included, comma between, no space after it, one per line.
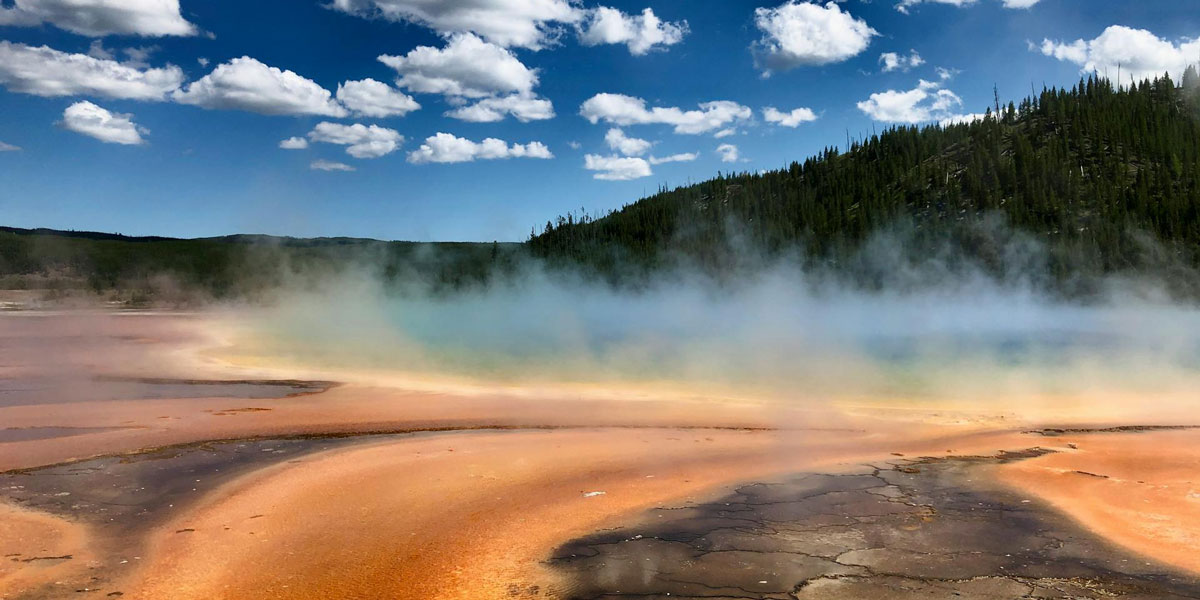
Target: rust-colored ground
(472,512)
(1139,489)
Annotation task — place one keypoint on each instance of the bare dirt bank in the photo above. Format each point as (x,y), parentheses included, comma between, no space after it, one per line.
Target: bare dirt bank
(1140,489)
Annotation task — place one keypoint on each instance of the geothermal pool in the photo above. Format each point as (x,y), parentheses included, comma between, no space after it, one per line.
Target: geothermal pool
(773,445)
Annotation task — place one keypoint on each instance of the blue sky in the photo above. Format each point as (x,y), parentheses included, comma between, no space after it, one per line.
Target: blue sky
(156,142)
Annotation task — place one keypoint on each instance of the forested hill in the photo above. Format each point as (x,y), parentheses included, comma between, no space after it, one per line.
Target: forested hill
(1063,188)
(238,266)
(1094,172)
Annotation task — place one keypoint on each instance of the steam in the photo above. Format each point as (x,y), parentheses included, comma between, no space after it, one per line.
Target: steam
(927,335)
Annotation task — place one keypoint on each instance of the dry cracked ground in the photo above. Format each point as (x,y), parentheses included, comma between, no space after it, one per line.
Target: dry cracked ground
(925,528)
(914,529)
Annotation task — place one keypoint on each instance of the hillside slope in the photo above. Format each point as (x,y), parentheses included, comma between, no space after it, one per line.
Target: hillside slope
(1094,173)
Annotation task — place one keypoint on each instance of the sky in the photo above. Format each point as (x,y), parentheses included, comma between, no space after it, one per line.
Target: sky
(479,120)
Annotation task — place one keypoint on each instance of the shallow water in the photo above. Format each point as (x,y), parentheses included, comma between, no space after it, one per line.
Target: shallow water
(35,391)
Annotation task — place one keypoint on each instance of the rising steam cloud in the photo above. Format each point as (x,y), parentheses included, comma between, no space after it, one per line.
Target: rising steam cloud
(955,337)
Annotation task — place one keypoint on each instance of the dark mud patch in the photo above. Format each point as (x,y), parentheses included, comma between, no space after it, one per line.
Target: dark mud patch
(29,434)
(928,528)
(134,492)
(1056,432)
(36,391)
(249,388)
(121,498)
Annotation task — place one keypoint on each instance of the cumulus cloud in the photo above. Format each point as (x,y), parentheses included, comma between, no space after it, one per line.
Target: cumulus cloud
(616,168)
(808,34)
(329,165)
(724,133)
(522,107)
(1132,52)
(682,157)
(904,5)
(926,102)
(467,66)
(791,118)
(370,98)
(448,148)
(522,23)
(892,61)
(728,153)
(98,18)
(361,141)
(619,109)
(962,119)
(43,71)
(629,146)
(294,143)
(139,57)
(247,84)
(97,50)
(93,121)
(4,147)
(640,33)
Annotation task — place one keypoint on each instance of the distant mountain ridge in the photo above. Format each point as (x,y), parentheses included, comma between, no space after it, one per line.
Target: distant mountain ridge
(249,238)
(242,265)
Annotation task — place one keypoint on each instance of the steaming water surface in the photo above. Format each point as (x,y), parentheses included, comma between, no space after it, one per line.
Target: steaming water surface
(776,339)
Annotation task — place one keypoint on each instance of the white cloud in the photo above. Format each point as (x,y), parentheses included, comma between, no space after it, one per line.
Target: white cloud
(729,153)
(805,33)
(683,157)
(447,148)
(294,143)
(724,133)
(370,98)
(523,107)
(247,84)
(945,74)
(329,165)
(203,61)
(93,121)
(962,119)
(139,58)
(44,71)
(8,147)
(617,140)
(904,5)
(892,61)
(97,50)
(641,33)
(467,66)
(361,141)
(1135,52)
(926,102)
(617,168)
(523,23)
(619,109)
(792,118)
(98,18)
